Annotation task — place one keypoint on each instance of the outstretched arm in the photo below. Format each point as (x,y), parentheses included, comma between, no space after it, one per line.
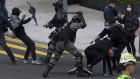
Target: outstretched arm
(27,20)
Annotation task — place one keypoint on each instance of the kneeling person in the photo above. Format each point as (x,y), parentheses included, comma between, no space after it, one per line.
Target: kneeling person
(94,54)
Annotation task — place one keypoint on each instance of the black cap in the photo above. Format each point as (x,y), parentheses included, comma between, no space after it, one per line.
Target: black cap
(57,3)
(16,10)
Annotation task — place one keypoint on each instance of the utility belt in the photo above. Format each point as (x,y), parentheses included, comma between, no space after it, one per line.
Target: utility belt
(65,40)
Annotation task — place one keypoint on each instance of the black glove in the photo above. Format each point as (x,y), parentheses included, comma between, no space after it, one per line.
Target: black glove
(80,13)
(50,26)
(83,27)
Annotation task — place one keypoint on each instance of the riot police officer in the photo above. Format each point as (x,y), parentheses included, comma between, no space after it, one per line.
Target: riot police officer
(66,42)
(58,21)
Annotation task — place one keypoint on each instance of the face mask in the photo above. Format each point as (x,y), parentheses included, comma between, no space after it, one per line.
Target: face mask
(129,9)
(113,6)
(107,27)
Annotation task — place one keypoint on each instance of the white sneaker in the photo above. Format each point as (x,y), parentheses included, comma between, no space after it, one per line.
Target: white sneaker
(36,62)
(25,61)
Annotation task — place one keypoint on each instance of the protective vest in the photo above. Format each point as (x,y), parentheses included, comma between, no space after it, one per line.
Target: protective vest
(124,77)
(67,34)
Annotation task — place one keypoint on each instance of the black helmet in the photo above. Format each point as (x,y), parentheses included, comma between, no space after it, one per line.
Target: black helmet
(58,3)
(16,11)
(76,18)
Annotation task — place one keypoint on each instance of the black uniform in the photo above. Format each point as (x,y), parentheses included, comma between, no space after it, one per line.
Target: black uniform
(131,24)
(58,21)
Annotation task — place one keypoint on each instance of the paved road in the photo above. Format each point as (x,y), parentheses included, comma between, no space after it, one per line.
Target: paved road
(29,71)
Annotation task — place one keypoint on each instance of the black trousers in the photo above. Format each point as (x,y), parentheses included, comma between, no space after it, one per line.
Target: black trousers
(6,48)
(30,46)
(107,59)
(130,46)
(117,53)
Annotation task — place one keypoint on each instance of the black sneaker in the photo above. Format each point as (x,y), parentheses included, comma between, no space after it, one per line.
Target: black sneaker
(82,74)
(88,70)
(15,61)
(72,71)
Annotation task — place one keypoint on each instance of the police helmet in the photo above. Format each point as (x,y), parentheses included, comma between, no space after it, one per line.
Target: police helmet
(76,18)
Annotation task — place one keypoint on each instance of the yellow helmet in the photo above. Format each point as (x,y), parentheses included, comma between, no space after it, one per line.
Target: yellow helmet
(126,58)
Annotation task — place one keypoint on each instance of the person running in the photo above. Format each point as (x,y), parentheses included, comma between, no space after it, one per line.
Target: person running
(3,20)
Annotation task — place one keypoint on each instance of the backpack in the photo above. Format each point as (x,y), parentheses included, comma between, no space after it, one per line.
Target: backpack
(15,21)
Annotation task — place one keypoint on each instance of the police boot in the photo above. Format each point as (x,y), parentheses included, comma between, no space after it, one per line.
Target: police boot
(47,70)
(81,73)
(45,59)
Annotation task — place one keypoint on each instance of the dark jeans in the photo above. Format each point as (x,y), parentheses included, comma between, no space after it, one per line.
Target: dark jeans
(130,46)
(6,48)
(30,46)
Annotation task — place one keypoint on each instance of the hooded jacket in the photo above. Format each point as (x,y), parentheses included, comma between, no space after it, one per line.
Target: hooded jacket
(102,46)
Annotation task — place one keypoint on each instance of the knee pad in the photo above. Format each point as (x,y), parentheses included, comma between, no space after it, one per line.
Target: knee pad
(51,47)
(50,52)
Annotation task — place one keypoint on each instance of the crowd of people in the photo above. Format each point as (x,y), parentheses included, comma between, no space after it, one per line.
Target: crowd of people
(63,38)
